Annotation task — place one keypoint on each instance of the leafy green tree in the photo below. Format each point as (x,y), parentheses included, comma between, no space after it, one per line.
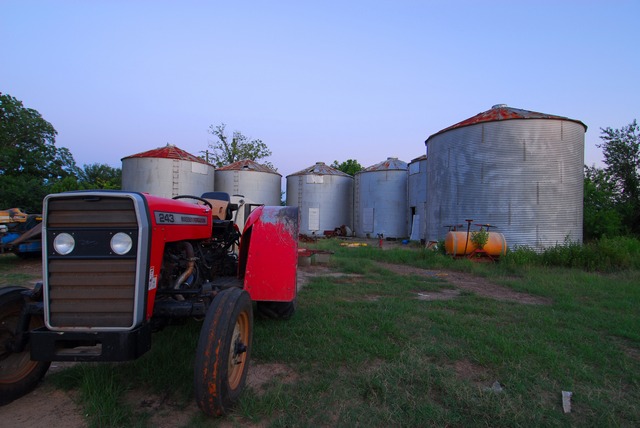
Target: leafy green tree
(67,184)
(350,166)
(30,163)
(100,176)
(90,177)
(225,151)
(621,150)
(601,216)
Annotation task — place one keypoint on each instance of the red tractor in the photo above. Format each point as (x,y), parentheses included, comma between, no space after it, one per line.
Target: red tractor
(118,265)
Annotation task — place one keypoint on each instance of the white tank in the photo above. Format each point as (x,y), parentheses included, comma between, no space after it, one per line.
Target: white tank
(417,201)
(245,207)
(381,200)
(255,182)
(324,196)
(518,170)
(167,172)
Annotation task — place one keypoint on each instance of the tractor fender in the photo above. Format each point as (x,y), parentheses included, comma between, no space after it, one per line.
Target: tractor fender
(269,254)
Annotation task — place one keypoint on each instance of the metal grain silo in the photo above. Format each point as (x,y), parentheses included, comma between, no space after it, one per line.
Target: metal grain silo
(417,199)
(518,170)
(380,205)
(254,181)
(324,196)
(167,171)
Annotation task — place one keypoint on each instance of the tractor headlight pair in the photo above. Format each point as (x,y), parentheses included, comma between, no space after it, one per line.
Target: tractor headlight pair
(121,243)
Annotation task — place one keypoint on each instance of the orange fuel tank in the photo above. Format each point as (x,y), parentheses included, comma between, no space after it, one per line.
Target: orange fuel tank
(455,242)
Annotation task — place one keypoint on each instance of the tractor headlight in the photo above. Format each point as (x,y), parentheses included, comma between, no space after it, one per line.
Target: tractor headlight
(64,244)
(121,243)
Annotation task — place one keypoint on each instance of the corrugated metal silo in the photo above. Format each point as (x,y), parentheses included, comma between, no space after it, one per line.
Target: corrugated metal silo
(417,201)
(324,196)
(167,171)
(381,200)
(518,170)
(254,181)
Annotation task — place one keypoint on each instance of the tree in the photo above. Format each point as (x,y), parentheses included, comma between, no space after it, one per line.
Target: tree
(601,216)
(621,150)
(350,166)
(90,177)
(30,163)
(100,176)
(225,152)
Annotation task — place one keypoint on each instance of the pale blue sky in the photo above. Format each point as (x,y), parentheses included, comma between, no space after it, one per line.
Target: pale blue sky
(316,81)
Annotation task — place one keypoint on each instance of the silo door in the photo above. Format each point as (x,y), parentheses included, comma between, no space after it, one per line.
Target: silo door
(415,228)
(367,220)
(314,219)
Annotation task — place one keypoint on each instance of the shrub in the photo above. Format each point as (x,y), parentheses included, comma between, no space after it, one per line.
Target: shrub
(604,255)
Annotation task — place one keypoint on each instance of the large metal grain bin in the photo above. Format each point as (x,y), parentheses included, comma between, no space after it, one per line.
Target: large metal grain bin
(254,181)
(518,170)
(381,200)
(324,196)
(417,201)
(167,171)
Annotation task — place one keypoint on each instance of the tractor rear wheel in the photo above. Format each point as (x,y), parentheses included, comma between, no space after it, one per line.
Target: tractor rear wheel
(18,373)
(224,348)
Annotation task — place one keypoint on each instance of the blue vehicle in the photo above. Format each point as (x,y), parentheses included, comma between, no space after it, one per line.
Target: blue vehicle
(20,233)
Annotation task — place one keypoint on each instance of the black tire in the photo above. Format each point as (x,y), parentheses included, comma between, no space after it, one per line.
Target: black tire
(18,373)
(276,310)
(224,349)
(29,255)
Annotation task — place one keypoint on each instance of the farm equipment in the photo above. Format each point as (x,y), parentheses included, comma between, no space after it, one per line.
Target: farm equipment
(119,265)
(20,233)
(480,245)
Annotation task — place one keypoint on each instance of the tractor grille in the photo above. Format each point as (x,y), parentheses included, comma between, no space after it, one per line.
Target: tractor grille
(91,293)
(91,212)
(91,287)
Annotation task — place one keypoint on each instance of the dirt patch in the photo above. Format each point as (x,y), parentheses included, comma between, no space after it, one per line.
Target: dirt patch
(44,407)
(31,268)
(307,273)
(471,372)
(165,412)
(445,294)
(260,375)
(467,282)
(626,347)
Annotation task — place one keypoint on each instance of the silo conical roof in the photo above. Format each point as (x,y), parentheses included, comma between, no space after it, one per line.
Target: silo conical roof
(247,165)
(168,152)
(320,168)
(503,112)
(387,165)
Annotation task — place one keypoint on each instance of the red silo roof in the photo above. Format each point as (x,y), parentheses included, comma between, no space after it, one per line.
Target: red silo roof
(168,152)
(502,112)
(246,165)
(387,165)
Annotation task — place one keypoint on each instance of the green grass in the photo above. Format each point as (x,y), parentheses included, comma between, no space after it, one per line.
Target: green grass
(8,276)
(366,352)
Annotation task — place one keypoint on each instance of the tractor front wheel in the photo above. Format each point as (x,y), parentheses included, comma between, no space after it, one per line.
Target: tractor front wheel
(224,348)
(18,373)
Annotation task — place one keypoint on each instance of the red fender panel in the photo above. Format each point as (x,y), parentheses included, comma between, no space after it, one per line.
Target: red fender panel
(269,254)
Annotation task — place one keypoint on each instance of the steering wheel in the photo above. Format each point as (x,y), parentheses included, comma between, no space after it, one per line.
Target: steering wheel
(197,198)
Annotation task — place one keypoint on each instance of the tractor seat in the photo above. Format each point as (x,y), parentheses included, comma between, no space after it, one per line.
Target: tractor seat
(221,206)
